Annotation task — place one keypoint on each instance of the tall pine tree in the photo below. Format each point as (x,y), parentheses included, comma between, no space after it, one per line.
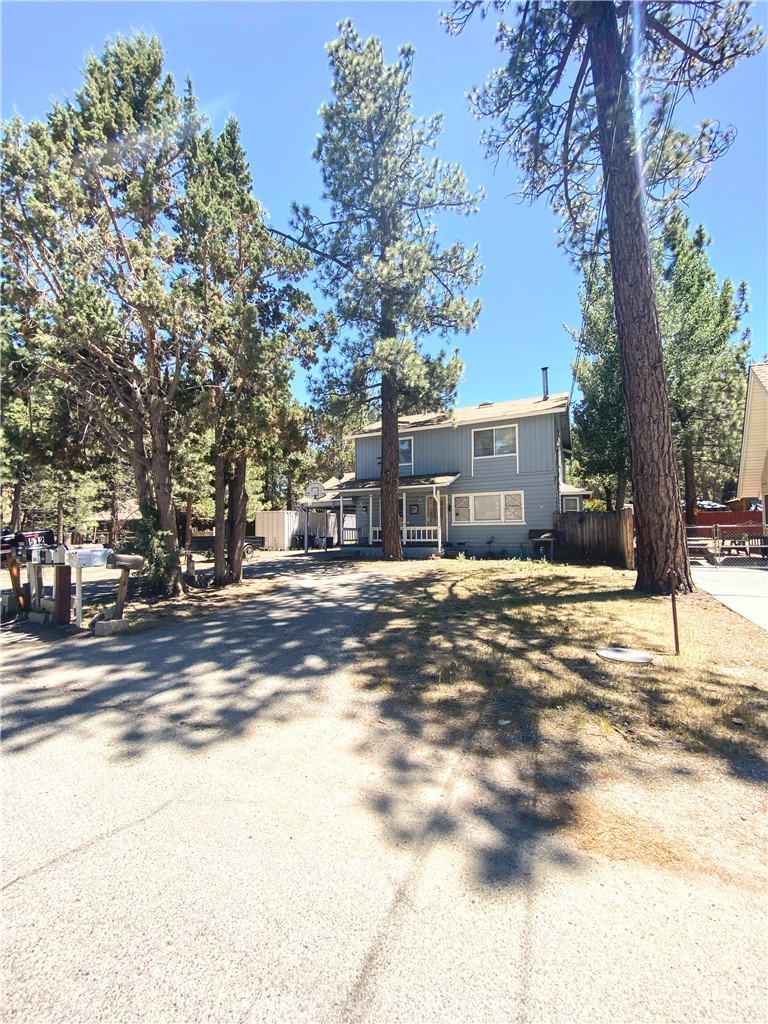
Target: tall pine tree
(563,106)
(392,282)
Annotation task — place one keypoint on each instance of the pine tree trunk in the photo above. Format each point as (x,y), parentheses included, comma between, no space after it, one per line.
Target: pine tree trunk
(60,521)
(391,540)
(18,489)
(220,568)
(140,464)
(188,521)
(236,521)
(608,499)
(114,513)
(689,476)
(166,511)
(660,535)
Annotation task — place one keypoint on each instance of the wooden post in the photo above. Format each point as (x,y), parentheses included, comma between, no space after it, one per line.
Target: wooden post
(78,594)
(39,584)
(62,594)
(122,593)
(673,579)
(15,573)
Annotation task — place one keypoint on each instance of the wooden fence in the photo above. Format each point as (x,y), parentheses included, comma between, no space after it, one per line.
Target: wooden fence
(597,536)
(728,518)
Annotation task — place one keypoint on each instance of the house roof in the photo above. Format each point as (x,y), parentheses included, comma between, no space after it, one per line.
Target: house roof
(753,466)
(483,413)
(571,489)
(349,485)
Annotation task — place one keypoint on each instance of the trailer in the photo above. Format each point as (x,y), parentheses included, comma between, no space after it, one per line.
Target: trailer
(203,542)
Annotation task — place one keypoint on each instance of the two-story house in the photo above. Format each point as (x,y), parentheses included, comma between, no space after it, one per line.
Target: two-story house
(474,479)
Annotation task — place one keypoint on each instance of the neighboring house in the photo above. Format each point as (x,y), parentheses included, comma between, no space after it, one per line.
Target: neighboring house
(753,465)
(476,480)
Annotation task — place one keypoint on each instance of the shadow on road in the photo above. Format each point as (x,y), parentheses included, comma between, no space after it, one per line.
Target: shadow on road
(194,685)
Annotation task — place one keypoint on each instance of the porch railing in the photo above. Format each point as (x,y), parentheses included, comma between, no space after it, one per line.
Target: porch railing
(413,534)
(420,533)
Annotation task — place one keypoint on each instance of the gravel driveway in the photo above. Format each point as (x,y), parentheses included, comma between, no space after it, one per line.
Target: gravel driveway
(210,823)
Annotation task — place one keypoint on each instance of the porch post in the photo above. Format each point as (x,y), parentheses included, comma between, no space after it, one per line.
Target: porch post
(341,520)
(404,523)
(306,529)
(436,497)
(370,520)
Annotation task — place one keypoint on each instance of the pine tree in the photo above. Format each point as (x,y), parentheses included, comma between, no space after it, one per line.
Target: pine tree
(254,322)
(706,367)
(573,143)
(600,444)
(89,200)
(380,259)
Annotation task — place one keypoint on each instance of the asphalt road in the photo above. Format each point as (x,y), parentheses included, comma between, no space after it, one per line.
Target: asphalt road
(211,823)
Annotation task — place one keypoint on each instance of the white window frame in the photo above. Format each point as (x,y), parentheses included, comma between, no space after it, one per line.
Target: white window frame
(488,522)
(569,497)
(401,465)
(507,455)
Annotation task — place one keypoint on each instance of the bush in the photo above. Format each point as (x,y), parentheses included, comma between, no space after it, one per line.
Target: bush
(594,505)
(150,542)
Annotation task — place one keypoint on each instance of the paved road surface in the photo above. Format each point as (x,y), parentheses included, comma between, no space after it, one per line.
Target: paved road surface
(212,824)
(743,589)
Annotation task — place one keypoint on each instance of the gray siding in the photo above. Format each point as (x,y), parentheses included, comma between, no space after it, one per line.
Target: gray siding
(449,450)
(534,471)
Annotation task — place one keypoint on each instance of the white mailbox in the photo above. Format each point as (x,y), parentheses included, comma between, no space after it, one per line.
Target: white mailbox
(88,558)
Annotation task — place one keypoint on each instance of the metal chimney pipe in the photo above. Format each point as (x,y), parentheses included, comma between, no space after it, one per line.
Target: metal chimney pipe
(545,382)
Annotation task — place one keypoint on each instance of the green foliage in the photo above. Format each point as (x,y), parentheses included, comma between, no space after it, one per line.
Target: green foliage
(391,280)
(89,201)
(600,442)
(705,366)
(595,505)
(541,102)
(140,278)
(150,541)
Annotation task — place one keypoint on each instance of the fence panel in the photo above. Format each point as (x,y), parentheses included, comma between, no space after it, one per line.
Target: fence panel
(597,536)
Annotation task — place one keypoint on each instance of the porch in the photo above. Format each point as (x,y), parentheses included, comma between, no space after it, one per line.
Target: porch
(424,511)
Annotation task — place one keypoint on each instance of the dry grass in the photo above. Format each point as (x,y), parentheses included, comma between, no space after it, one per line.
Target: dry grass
(148,613)
(515,642)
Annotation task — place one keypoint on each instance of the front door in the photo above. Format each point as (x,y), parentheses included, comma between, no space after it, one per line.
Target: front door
(432,515)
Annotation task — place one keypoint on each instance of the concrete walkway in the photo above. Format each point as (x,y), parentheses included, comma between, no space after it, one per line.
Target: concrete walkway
(212,823)
(743,589)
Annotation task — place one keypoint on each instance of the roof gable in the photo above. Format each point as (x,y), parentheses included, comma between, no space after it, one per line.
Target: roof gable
(754,445)
(486,412)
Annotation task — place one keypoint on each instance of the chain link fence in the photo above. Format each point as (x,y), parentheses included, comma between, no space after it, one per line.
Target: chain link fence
(734,544)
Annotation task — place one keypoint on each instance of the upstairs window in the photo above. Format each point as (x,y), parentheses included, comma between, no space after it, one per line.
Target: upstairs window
(493,441)
(406,456)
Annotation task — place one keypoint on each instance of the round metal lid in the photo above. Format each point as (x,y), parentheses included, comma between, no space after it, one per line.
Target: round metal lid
(625,654)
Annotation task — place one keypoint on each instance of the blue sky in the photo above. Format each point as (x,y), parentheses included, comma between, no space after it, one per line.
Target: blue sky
(265,63)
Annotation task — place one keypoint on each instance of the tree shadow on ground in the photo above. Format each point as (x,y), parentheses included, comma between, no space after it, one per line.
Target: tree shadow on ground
(195,685)
(494,672)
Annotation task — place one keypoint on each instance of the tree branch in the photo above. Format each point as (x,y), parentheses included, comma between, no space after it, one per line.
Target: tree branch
(665,33)
(311,248)
(567,132)
(575,30)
